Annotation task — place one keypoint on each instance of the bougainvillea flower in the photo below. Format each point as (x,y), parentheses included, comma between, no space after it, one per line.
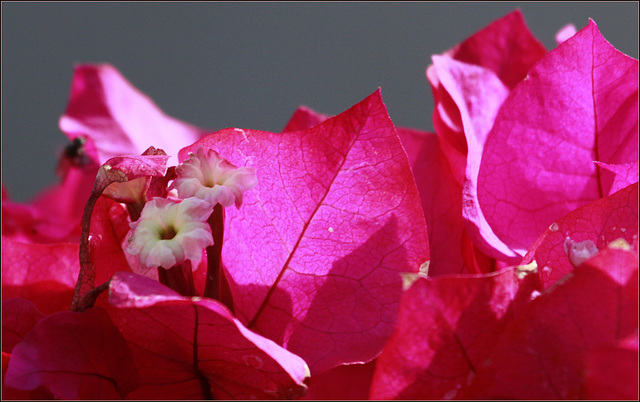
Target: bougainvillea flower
(578,105)
(338,214)
(207,176)
(119,119)
(168,233)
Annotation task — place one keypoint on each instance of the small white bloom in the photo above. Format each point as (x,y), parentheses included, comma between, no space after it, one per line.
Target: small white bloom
(207,176)
(169,232)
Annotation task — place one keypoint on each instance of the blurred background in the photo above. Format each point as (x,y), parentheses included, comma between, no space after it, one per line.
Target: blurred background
(246,65)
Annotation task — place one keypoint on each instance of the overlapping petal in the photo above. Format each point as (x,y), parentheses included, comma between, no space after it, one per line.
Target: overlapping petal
(315,252)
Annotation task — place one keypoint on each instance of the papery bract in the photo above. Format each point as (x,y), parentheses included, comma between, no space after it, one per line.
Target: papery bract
(579,104)
(314,254)
(469,83)
(75,356)
(600,222)
(446,328)
(120,120)
(543,352)
(193,348)
(612,371)
(44,274)
(19,316)
(625,174)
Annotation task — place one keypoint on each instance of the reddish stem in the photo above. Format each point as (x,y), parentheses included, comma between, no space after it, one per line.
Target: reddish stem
(216,285)
(178,278)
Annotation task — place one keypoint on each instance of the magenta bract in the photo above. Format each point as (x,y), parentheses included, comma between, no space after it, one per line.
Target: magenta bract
(315,252)
(579,104)
(193,348)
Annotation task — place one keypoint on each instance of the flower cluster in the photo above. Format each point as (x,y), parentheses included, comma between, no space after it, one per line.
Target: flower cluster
(345,257)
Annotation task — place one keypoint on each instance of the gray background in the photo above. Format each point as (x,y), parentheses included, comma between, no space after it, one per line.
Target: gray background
(246,65)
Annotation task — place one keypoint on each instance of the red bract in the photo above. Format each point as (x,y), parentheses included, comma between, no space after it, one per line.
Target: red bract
(579,104)
(547,351)
(469,84)
(599,222)
(446,329)
(75,356)
(44,274)
(315,252)
(193,348)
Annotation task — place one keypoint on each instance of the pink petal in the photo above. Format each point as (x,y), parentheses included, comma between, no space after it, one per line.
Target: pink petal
(579,105)
(441,199)
(304,118)
(625,174)
(350,382)
(75,356)
(19,316)
(121,120)
(478,94)
(565,33)
(544,352)
(612,371)
(191,348)
(506,47)
(315,251)
(44,274)
(600,222)
(447,327)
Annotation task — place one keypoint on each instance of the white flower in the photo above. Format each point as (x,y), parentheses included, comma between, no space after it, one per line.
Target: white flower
(169,232)
(207,176)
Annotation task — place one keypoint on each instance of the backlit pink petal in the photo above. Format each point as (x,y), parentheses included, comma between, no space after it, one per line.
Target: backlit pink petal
(75,356)
(478,94)
(579,105)
(600,222)
(315,252)
(565,33)
(447,327)
(303,118)
(506,47)
(44,274)
(120,120)
(544,352)
(625,174)
(193,348)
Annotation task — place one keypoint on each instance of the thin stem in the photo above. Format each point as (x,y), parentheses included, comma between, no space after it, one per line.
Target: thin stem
(216,285)
(178,278)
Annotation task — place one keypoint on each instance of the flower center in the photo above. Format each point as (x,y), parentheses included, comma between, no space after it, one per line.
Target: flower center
(169,233)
